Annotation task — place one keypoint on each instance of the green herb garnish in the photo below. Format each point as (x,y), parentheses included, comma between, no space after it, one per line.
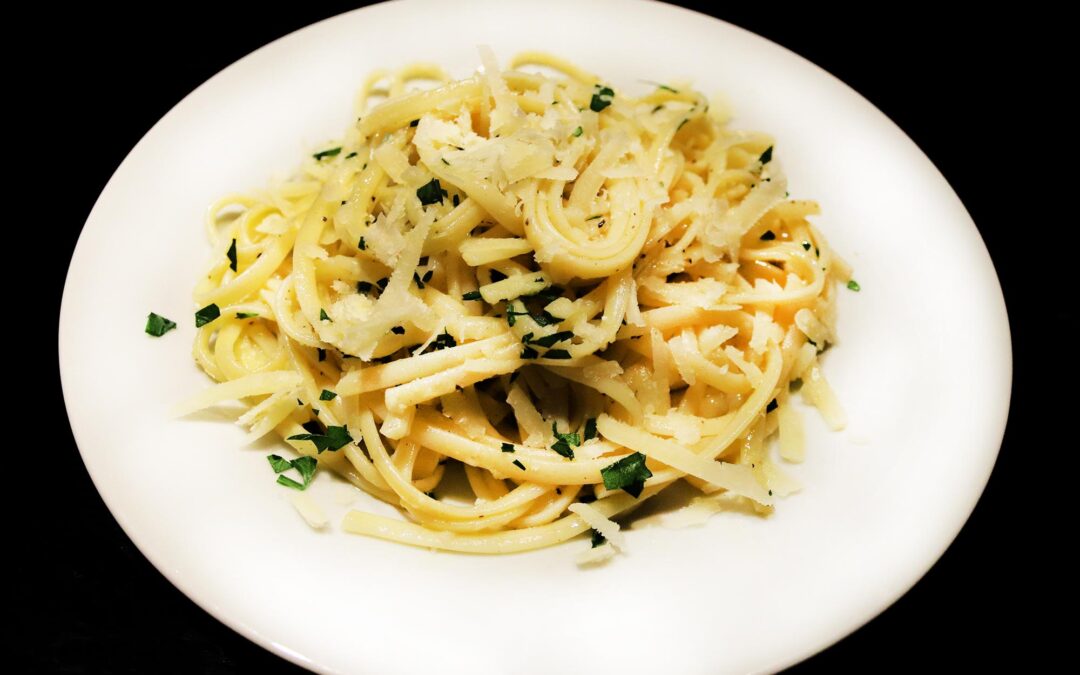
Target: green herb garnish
(557,354)
(327,395)
(206,315)
(231,255)
(332,152)
(507,447)
(362,245)
(564,444)
(323,316)
(577,132)
(246,315)
(601,98)
(335,438)
(773,405)
(766,156)
(628,474)
(854,286)
(597,538)
(590,429)
(471,295)
(398,330)
(157,325)
(305,466)
(549,340)
(518,464)
(431,193)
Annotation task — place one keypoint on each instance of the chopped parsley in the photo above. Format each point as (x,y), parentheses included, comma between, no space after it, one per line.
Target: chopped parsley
(550,293)
(768,236)
(667,88)
(305,466)
(398,330)
(332,152)
(362,245)
(231,255)
(246,315)
(350,155)
(549,340)
(601,98)
(431,193)
(206,315)
(471,295)
(323,316)
(507,447)
(577,132)
(279,463)
(529,353)
(335,438)
(157,325)
(597,538)
(327,395)
(628,474)
(766,156)
(564,444)
(590,429)
(806,246)
(773,405)
(557,354)
(854,286)
(443,340)
(518,464)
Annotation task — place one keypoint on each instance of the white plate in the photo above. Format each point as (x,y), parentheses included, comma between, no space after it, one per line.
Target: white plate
(923,369)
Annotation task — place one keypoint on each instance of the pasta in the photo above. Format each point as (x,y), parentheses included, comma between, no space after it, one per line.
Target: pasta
(567,297)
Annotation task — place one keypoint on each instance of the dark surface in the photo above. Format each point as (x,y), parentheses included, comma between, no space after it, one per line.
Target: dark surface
(87,601)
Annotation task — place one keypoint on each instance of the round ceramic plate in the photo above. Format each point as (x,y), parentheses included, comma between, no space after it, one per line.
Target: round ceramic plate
(927,402)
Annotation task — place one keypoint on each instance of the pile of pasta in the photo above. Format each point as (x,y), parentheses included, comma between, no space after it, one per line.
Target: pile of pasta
(578,297)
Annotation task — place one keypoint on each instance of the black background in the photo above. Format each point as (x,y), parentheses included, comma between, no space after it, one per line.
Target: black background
(87,601)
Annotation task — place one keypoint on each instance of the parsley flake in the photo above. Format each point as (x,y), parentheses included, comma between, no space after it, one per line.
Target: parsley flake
(335,438)
(431,193)
(627,474)
(601,98)
(854,286)
(332,152)
(597,538)
(157,325)
(564,444)
(231,255)
(206,315)
(507,447)
(549,340)
(327,395)
(471,295)
(590,429)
